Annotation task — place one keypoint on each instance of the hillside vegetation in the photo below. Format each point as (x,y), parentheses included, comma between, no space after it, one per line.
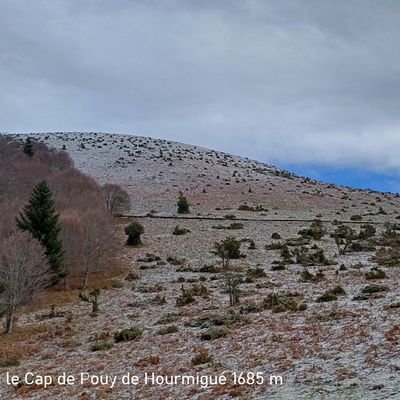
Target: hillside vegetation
(230,264)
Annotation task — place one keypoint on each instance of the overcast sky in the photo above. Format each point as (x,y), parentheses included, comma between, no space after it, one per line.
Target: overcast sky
(307,82)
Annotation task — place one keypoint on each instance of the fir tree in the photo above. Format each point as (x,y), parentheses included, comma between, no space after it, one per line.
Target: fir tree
(183,204)
(41,219)
(28,147)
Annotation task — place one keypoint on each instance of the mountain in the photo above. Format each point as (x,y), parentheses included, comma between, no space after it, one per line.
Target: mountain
(154,171)
(318,299)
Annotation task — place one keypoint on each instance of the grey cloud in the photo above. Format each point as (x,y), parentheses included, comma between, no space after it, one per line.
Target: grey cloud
(305,82)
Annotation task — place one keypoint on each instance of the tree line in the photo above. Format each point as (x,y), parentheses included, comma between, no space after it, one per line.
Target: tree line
(56,223)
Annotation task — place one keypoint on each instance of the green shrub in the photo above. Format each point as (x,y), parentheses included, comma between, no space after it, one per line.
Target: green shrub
(274,246)
(175,260)
(374,289)
(236,225)
(211,269)
(300,241)
(257,272)
(167,330)
(279,266)
(93,299)
(338,290)
(246,207)
(279,303)
(101,345)
(186,297)
(159,300)
(331,295)
(286,253)
(180,231)
(183,204)
(128,334)
(356,217)
(208,321)
(316,231)
(344,237)
(134,230)
(307,276)
(213,333)
(302,307)
(375,273)
(305,257)
(327,296)
(9,362)
(367,231)
(227,249)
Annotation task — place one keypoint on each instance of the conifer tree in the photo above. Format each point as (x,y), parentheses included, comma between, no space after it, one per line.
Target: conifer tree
(183,204)
(41,219)
(28,147)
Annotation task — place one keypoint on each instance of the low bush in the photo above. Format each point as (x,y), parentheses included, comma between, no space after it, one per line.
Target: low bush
(278,265)
(9,362)
(150,257)
(300,241)
(166,330)
(213,333)
(305,257)
(101,345)
(316,231)
(186,297)
(257,272)
(211,269)
(180,231)
(246,207)
(302,307)
(374,289)
(338,290)
(175,260)
(327,296)
(279,303)
(331,294)
(128,334)
(375,273)
(307,276)
(201,356)
(208,321)
(367,231)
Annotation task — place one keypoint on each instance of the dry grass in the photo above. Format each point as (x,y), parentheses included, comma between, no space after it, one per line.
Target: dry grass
(21,344)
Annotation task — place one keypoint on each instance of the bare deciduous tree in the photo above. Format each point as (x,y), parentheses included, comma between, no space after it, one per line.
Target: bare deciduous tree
(72,234)
(24,271)
(98,244)
(115,198)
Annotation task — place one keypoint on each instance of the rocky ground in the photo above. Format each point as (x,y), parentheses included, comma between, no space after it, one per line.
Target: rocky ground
(346,348)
